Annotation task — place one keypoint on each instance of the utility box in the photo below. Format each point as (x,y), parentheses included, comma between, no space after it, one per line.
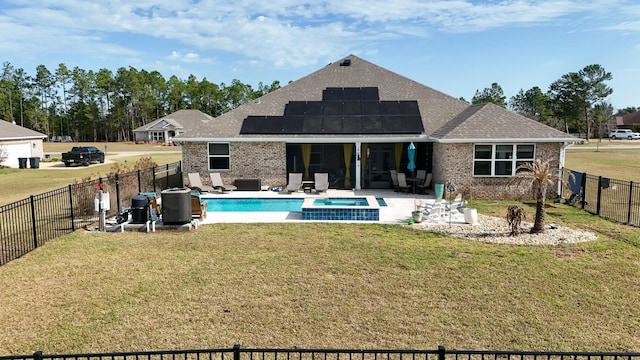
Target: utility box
(176,206)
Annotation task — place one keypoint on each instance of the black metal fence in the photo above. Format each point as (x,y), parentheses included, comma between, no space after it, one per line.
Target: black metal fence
(238,353)
(29,223)
(612,199)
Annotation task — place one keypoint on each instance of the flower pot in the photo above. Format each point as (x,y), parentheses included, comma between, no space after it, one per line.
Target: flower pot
(471,216)
(439,190)
(416,216)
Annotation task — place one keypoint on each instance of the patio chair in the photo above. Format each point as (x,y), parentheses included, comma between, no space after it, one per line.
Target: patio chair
(198,209)
(425,185)
(421,174)
(196,183)
(321,182)
(216,181)
(456,203)
(295,182)
(402,182)
(434,211)
(394,178)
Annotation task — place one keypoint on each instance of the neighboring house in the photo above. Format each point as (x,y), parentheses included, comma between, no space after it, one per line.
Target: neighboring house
(19,142)
(628,121)
(355,121)
(164,129)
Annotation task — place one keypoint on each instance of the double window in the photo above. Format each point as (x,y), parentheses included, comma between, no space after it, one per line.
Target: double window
(157,135)
(500,159)
(219,156)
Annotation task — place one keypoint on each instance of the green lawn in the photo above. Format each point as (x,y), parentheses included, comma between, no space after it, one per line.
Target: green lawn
(619,164)
(322,285)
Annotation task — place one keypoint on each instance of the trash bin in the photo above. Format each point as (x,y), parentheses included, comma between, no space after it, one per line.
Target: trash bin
(139,209)
(22,163)
(34,162)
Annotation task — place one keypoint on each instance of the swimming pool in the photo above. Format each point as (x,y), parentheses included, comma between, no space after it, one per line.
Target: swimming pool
(254,204)
(341,202)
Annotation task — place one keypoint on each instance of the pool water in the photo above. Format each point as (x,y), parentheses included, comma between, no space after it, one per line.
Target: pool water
(279,204)
(253,204)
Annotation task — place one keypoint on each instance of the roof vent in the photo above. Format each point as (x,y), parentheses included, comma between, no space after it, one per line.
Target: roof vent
(345,62)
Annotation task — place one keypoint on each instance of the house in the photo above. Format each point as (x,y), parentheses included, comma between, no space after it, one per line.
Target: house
(355,121)
(164,129)
(628,121)
(19,142)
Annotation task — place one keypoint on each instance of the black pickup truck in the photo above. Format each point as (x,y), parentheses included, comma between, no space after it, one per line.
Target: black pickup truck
(83,155)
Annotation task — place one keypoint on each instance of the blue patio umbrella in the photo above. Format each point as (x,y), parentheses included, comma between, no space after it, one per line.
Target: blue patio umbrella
(411,152)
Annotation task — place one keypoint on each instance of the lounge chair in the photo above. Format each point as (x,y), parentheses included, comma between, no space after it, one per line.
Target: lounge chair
(425,185)
(321,182)
(196,184)
(216,181)
(198,209)
(402,182)
(394,178)
(295,182)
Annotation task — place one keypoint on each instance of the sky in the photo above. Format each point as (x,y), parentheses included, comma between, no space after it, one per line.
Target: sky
(454,46)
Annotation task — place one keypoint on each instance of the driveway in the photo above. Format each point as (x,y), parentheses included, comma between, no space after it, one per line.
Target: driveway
(109,159)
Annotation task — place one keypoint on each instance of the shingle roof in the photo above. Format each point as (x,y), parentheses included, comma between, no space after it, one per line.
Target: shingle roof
(10,131)
(443,116)
(181,119)
(490,122)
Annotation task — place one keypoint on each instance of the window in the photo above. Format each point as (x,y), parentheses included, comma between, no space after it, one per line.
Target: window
(157,135)
(219,156)
(501,159)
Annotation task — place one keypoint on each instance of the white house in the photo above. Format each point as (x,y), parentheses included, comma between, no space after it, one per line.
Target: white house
(19,142)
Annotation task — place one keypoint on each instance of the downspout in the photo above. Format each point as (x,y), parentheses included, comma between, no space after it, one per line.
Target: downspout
(560,167)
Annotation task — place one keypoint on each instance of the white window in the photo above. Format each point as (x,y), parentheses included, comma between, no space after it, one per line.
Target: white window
(500,159)
(219,158)
(157,135)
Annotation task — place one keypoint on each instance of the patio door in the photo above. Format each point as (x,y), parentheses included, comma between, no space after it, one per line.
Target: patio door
(379,162)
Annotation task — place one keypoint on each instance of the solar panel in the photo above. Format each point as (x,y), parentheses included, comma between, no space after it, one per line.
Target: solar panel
(370,107)
(352,124)
(295,108)
(314,108)
(312,125)
(392,124)
(251,125)
(332,94)
(409,108)
(352,108)
(389,107)
(412,124)
(332,108)
(351,94)
(369,94)
(332,124)
(371,124)
(273,125)
(293,124)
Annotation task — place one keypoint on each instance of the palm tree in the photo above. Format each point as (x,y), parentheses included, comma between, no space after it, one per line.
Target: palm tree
(539,175)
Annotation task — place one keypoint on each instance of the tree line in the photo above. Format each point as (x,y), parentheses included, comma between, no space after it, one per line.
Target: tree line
(107,106)
(577,102)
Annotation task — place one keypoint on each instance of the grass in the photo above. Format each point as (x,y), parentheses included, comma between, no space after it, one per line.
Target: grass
(53,147)
(322,285)
(621,164)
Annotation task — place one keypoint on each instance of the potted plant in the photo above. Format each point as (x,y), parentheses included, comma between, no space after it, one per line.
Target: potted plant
(416,214)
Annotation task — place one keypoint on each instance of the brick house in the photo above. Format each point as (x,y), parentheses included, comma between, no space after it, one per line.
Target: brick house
(355,120)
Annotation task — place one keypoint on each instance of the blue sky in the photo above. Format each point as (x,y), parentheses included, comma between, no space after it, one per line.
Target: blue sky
(455,46)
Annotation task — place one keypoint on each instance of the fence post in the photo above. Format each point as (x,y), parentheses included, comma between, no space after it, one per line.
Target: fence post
(154,178)
(118,191)
(139,182)
(599,195)
(179,170)
(33,222)
(583,188)
(167,177)
(630,202)
(441,351)
(236,352)
(73,220)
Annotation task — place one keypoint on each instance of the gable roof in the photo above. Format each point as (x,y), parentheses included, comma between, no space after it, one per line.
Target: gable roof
(10,131)
(444,118)
(181,119)
(490,122)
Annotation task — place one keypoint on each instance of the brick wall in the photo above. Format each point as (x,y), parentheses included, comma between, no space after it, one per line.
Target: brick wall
(454,162)
(264,160)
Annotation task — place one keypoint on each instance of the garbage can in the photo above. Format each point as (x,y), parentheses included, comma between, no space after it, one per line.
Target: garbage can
(34,162)
(139,209)
(22,163)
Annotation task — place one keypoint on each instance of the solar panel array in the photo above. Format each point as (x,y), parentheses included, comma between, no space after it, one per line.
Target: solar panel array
(353,110)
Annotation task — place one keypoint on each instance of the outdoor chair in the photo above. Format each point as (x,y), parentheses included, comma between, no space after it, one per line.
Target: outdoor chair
(216,181)
(198,209)
(394,178)
(421,174)
(321,182)
(402,182)
(295,182)
(426,184)
(456,203)
(196,183)
(435,210)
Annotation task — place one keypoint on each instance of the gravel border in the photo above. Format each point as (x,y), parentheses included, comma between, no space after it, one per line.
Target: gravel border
(496,230)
